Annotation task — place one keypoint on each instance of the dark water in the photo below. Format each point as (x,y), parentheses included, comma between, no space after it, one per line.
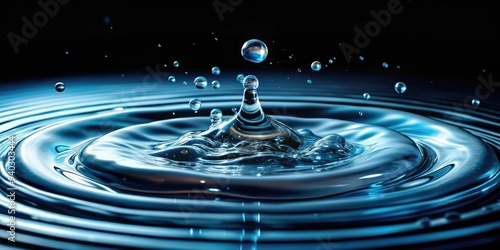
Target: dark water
(100,166)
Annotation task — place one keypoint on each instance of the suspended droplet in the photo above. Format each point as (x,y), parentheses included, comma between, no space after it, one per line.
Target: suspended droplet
(215,71)
(385,65)
(200,82)
(366,96)
(195,104)
(475,102)
(240,78)
(250,82)
(299,70)
(176,64)
(215,116)
(254,50)
(60,87)
(361,58)
(215,84)
(330,61)
(360,113)
(171,79)
(309,81)
(316,65)
(400,87)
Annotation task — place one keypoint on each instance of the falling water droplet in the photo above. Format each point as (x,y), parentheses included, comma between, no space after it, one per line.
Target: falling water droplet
(184,82)
(176,64)
(366,96)
(309,81)
(475,102)
(200,82)
(330,61)
(385,65)
(234,110)
(215,71)
(60,87)
(400,87)
(250,82)
(316,65)
(215,84)
(240,78)
(254,50)
(171,79)
(299,70)
(195,104)
(360,113)
(215,116)
(159,45)
(361,58)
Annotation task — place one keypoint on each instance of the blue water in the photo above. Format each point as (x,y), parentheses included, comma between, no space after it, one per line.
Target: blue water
(116,162)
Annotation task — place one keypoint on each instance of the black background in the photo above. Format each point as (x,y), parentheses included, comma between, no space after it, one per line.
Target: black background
(429,38)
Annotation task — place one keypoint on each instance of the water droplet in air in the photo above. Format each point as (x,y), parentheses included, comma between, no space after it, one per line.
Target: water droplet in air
(361,58)
(159,45)
(176,64)
(250,82)
(171,79)
(215,84)
(299,70)
(235,110)
(195,104)
(254,50)
(240,78)
(475,102)
(309,81)
(215,71)
(366,96)
(330,61)
(316,65)
(200,82)
(360,113)
(215,116)
(60,87)
(184,82)
(385,65)
(400,87)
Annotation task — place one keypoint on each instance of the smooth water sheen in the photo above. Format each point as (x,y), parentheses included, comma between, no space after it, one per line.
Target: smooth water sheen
(127,169)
